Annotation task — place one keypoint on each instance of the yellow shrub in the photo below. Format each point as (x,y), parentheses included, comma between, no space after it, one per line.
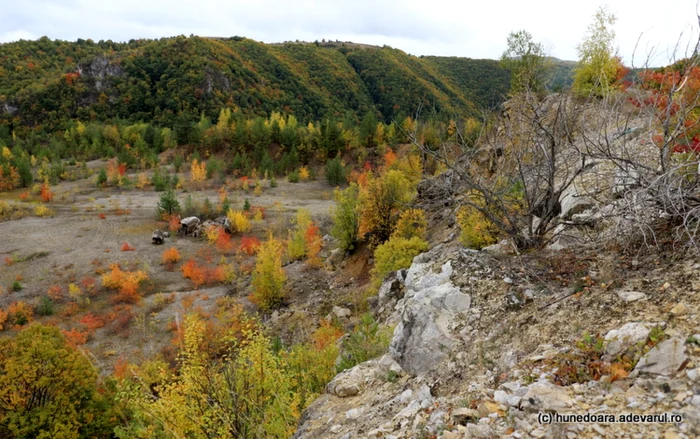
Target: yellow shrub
(3,319)
(477,230)
(268,276)
(411,223)
(239,222)
(142,181)
(43,211)
(304,173)
(395,254)
(198,171)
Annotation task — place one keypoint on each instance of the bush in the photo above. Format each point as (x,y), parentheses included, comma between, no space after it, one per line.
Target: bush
(477,230)
(159,181)
(335,172)
(382,200)
(102,178)
(168,204)
(46,193)
(293,177)
(249,245)
(395,254)
(239,221)
(45,307)
(171,256)
(126,283)
(43,211)
(411,223)
(367,341)
(16,286)
(346,217)
(268,275)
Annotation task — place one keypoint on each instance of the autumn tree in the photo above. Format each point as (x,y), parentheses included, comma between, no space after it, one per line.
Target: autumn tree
(527,62)
(598,69)
(268,275)
(346,217)
(381,202)
(47,389)
(249,394)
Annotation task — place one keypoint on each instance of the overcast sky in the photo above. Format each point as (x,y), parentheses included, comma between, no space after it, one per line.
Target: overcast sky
(475,29)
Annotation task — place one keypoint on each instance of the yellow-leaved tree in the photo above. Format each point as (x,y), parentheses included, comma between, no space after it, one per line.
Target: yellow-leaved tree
(247,394)
(268,276)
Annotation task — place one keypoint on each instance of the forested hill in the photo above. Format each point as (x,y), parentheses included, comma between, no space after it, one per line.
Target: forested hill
(46,83)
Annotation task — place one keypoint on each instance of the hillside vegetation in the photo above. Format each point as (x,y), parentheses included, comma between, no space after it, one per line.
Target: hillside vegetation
(46,83)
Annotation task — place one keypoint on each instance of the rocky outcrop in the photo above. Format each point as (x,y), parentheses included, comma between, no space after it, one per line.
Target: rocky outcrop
(429,312)
(465,362)
(100,69)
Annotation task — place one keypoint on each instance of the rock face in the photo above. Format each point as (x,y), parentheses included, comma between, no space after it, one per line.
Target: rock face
(423,334)
(665,358)
(572,203)
(461,364)
(100,69)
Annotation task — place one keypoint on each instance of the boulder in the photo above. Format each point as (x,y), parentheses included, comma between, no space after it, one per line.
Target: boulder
(545,396)
(188,225)
(428,311)
(664,359)
(626,336)
(347,383)
(631,296)
(341,313)
(335,258)
(420,341)
(158,237)
(572,202)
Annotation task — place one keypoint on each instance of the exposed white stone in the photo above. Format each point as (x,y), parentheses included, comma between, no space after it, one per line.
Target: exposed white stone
(626,336)
(631,296)
(664,359)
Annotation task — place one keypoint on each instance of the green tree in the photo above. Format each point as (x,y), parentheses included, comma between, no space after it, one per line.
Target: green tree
(335,172)
(48,389)
(346,217)
(526,61)
(598,66)
(168,203)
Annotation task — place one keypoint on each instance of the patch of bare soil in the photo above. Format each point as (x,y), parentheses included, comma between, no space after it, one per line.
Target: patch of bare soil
(86,236)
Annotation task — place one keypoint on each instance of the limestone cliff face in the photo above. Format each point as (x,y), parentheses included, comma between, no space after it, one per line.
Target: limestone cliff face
(100,70)
(476,349)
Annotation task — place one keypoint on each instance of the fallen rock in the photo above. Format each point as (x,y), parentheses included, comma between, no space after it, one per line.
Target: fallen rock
(626,336)
(545,396)
(572,203)
(664,359)
(679,310)
(463,416)
(347,383)
(341,313)
(631,296)
(335,258)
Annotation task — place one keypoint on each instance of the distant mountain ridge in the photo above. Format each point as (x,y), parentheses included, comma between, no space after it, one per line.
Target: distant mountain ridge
(49,82)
